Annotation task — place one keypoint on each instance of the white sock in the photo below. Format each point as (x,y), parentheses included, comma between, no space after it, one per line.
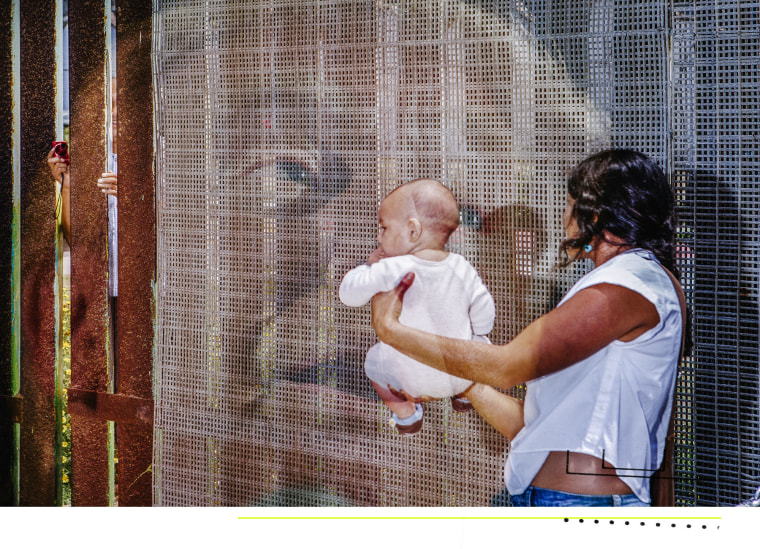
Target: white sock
(411,419)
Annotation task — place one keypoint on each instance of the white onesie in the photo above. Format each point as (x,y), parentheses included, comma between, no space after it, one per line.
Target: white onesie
(447,298)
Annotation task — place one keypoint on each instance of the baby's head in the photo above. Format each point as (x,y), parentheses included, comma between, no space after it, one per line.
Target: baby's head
(417,215)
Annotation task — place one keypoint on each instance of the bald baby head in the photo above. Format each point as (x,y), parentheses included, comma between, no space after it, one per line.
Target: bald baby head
(433,205)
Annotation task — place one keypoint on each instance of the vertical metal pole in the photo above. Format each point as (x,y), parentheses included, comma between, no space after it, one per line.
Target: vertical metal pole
(37,42)
(137,242)
(8,487)
(91,481)
(59,252)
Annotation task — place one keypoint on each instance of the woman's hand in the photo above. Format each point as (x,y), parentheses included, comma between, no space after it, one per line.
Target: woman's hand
(107,183)
(58,166)
(386,308)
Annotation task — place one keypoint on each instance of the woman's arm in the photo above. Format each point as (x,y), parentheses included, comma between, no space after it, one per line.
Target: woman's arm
(583,325)
(503,412)
(60,170)
(66,207)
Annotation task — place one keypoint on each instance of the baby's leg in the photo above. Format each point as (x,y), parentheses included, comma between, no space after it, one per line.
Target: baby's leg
(399,406)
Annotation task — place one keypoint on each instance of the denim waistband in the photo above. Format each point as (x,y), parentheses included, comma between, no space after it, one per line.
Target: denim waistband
(541,497)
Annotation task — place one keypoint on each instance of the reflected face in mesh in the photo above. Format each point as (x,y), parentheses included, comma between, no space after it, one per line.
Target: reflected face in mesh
(284,181)
(393,233)
(294,171)
(568,221)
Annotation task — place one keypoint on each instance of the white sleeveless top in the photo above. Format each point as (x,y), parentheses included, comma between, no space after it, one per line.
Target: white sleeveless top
(616,403)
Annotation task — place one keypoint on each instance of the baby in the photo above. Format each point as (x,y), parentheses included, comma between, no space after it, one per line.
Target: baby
(447,296)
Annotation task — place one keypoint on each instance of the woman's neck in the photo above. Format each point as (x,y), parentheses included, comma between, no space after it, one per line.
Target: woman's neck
(606,248)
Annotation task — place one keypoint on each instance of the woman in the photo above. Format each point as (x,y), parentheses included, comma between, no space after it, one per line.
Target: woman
(59,167)
(600,368)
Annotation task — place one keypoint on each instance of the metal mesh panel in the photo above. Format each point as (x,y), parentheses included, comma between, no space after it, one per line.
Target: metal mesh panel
(280,127)
(715,168)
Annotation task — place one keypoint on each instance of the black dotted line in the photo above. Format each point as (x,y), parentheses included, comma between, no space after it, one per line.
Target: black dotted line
(642,523)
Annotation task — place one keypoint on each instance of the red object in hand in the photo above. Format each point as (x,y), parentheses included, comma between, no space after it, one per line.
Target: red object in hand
(61,150)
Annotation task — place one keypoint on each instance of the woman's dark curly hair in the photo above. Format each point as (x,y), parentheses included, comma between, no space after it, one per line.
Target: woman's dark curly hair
(624,193)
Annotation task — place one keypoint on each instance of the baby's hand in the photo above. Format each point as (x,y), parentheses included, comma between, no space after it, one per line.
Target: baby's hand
(375,256)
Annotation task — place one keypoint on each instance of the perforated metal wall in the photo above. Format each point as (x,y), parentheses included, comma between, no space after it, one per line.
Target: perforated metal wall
(716,109)
(280,127)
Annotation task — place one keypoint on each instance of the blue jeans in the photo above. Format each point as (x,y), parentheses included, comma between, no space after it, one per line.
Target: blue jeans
(541,497)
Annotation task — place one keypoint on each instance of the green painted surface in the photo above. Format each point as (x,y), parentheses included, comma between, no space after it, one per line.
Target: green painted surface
(16,247)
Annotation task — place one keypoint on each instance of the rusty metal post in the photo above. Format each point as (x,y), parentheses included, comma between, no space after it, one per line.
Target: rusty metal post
(7,352)
(137,243)
(37,41)
(90,478)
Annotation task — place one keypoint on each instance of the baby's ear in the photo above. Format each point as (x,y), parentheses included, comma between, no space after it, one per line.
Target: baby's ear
(415,229)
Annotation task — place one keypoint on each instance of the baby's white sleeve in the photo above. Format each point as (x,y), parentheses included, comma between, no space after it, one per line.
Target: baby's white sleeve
(482,308)
(363,282)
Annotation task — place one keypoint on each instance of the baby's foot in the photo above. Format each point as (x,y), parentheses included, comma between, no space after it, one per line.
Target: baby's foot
(460,404)
(408,425)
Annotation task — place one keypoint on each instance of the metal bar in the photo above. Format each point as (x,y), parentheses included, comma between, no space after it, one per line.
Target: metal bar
(37,41)
(91,481)
(110,407)
(137,242)
(7,201)
(11,410)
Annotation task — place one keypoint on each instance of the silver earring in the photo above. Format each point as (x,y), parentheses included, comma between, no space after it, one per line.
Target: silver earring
(587,248)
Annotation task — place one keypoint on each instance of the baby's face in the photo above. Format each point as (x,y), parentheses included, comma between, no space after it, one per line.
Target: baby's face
(393,233)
